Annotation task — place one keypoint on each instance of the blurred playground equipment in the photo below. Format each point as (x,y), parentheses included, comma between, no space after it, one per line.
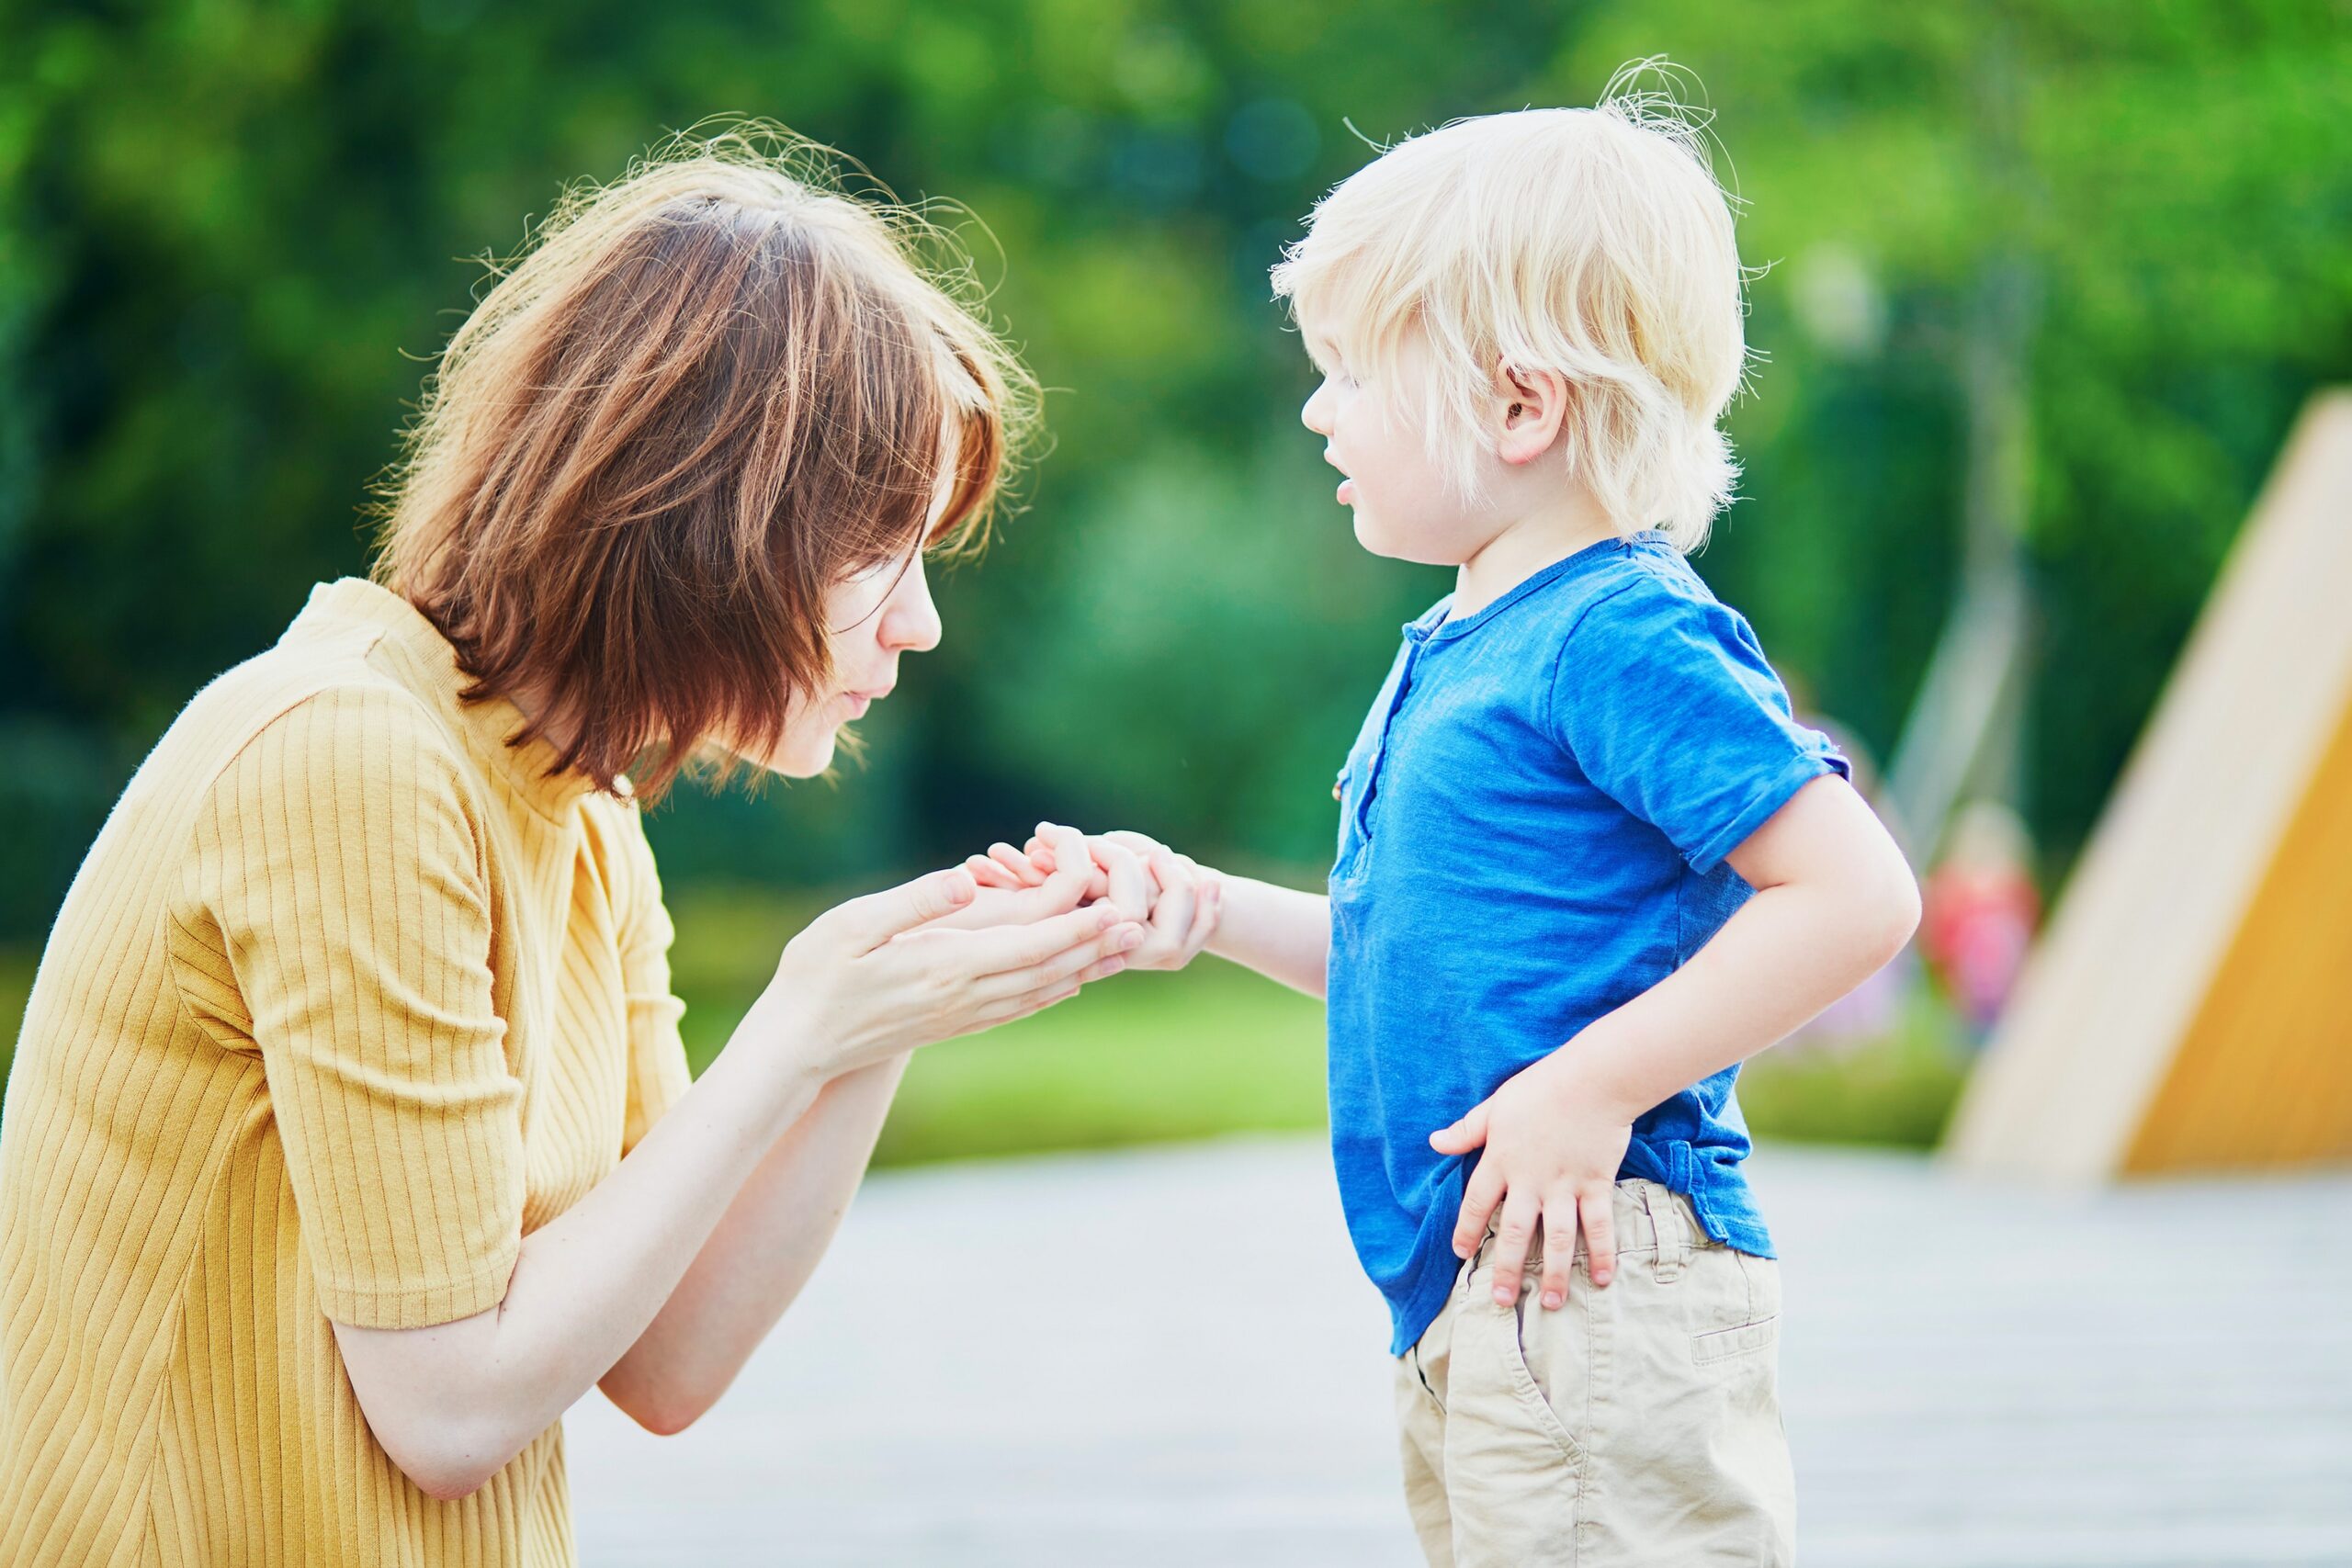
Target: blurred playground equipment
(2189,1007)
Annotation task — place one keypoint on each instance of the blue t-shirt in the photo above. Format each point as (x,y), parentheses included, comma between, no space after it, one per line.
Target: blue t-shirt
(1532,826)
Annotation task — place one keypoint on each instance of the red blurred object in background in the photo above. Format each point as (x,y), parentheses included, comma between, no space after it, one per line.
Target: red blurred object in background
(1981,909)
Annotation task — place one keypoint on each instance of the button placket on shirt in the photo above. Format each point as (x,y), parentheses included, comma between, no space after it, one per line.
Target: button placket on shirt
(1417,640)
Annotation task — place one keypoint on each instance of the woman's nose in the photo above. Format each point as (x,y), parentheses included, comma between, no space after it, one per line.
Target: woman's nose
(910,620)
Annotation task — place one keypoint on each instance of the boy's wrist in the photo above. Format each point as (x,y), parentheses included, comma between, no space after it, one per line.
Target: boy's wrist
(1591,1070)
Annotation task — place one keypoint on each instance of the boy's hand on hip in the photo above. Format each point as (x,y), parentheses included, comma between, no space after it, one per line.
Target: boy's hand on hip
(1552,1142)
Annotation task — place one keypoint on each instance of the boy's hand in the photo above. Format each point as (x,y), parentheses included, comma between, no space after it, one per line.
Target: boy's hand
(1177,899)
(1005,899)
(1554,1140)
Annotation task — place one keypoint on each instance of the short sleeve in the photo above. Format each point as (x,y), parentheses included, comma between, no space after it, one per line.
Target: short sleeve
(1663,696)
(657,1053)
(336,909)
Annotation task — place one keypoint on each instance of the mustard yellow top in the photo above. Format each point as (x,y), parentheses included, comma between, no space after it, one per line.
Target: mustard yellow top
(346,999)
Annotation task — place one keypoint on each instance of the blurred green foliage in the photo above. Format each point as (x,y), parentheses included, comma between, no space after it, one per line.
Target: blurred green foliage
(227,233)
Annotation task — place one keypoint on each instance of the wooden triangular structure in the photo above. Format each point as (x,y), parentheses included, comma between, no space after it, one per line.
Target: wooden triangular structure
(2190,1005)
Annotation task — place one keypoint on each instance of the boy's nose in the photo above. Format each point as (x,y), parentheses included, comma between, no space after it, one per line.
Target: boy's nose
(1314,414)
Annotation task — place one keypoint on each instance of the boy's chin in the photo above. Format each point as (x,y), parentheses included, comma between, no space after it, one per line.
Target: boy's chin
(1383,542)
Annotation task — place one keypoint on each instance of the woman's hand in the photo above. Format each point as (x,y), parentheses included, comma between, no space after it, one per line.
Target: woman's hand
(879,976)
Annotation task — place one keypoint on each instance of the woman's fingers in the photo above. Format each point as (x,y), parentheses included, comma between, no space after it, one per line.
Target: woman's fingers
(864,924)
(1000,949)
(1105,955)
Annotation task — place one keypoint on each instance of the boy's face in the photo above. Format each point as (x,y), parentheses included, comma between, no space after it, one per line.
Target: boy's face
(1403,506)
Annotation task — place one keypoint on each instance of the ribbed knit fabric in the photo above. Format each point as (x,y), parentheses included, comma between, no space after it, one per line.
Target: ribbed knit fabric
(345,1000)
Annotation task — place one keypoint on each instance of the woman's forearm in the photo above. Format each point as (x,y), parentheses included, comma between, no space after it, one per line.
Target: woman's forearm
(453,1404)
(863,984)
(1281,932)
(756,1261)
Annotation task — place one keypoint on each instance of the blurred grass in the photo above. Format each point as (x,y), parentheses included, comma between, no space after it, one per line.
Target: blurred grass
(1215,1049)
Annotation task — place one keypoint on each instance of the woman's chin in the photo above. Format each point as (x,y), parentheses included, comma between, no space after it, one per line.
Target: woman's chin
(803,757)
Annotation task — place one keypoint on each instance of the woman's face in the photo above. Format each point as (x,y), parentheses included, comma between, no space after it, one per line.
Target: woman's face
(874,617)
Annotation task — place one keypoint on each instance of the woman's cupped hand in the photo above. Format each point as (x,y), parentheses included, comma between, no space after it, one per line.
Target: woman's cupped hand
(941,956)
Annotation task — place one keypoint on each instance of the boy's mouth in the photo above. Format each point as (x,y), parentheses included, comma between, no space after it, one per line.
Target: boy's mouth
(1347,493)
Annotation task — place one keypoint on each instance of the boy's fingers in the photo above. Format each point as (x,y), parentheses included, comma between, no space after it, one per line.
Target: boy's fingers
(1172,916)
(1016,864)
(1143,846)
(1600,1234)
(1129,889)
(1468,1133)
(1513,1239)
(1206,910)
(1559,1247)
(987,872)
(1478,1201)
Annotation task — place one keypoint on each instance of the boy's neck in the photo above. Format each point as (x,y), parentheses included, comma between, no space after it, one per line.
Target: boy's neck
(1524,548)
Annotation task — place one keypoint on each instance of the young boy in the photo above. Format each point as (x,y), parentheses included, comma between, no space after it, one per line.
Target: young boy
(1587,862)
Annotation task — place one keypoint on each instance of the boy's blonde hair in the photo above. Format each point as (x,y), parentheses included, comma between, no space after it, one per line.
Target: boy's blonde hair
(1592,242)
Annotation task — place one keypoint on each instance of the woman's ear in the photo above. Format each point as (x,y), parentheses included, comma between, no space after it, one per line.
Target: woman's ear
(1529,408)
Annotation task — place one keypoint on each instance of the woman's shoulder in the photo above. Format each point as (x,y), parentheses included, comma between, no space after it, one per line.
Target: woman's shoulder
(309,718)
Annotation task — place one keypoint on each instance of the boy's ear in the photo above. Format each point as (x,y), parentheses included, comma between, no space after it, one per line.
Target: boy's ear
(1529,407)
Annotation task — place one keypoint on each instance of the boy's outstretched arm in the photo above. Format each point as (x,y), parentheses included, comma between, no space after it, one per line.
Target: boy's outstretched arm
(1281,932)
(1834,901)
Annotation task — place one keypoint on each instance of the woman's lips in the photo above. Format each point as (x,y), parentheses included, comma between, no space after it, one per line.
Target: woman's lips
(1347,493)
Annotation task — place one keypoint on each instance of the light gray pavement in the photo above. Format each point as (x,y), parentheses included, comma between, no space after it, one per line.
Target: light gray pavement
(1167,1357)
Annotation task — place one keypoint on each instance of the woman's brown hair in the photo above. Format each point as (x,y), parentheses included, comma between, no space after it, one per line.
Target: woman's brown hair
(704,394)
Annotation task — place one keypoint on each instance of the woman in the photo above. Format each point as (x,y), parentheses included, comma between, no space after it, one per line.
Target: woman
(350,1139)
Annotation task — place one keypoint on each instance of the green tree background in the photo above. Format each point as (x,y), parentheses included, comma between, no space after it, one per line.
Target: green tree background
(228,234)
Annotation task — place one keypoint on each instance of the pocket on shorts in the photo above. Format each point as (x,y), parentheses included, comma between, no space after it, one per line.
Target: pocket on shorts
(1536,1395)
(1745,1302)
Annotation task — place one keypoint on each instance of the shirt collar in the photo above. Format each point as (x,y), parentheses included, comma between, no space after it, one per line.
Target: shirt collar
(489,726)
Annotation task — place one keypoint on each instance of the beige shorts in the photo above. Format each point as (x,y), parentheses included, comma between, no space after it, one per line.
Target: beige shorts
(1638,1424)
